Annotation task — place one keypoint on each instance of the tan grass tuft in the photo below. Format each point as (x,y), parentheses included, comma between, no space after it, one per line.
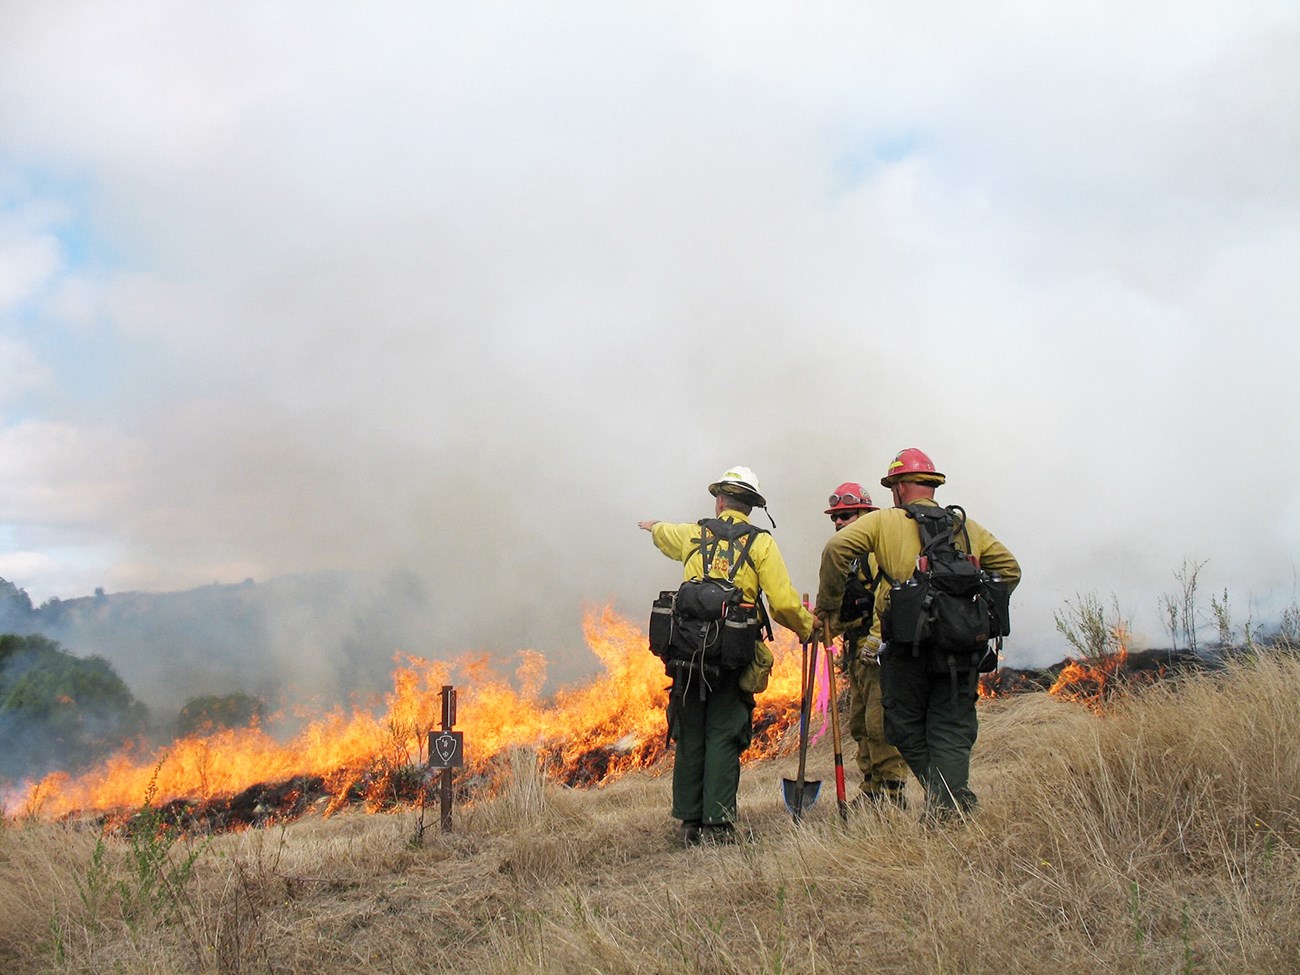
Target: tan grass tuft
(1162,835)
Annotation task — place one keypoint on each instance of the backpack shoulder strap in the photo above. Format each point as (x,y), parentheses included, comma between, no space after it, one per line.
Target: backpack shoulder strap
(959,524)
(707,543)
(750,536)
(719,529)
(935,524)
(731,530)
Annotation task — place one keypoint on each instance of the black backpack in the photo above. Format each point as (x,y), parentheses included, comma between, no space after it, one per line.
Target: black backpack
(705,624)
(950,609)
(859,600)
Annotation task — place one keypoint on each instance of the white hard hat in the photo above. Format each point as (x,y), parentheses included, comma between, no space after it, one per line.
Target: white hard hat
(742,483)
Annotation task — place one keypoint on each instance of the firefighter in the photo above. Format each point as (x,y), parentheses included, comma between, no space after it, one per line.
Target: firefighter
(712,723)
(884,773)
(929,715)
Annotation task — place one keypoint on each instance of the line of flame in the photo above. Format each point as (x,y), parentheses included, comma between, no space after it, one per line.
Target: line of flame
(624,702)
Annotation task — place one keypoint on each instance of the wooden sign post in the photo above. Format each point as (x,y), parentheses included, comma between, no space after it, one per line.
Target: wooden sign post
(447,751)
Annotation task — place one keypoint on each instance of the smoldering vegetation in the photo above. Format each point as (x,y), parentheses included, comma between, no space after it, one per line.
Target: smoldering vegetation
(1160,833)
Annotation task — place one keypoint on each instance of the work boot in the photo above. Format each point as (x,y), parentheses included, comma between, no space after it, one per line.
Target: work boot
(864,800)
(945,812)
(938,817)
(691,834)
(895,793)
(880,797)
(720,834)
(725,834)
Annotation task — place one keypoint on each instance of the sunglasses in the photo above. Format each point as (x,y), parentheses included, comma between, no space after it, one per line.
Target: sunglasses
(847,499)
(844,515)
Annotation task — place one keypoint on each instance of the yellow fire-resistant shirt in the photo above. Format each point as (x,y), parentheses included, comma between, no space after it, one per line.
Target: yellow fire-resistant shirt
(895,541)
(682,543)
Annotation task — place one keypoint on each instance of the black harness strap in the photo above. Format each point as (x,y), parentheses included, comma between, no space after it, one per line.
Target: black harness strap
(751,535)
(732,531)
(717,530)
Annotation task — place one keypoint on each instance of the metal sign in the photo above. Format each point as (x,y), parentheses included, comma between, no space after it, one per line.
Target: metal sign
(446,749)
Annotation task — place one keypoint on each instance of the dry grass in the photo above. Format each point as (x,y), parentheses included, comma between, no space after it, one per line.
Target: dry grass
(1160,837)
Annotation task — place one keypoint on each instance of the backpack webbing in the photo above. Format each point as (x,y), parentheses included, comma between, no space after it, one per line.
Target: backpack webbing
(717,530)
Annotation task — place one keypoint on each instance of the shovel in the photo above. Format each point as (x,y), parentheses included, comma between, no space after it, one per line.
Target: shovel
(840,798)
(800,793)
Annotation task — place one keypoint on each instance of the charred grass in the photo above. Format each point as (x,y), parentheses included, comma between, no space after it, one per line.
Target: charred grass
(1160,835)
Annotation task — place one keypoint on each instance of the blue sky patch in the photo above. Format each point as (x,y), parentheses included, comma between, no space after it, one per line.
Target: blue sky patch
(861,159)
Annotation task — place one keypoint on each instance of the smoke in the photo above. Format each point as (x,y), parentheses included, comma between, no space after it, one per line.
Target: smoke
(462,295)
(58,711)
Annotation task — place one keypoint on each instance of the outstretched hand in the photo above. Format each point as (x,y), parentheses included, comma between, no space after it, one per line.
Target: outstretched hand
(646,525)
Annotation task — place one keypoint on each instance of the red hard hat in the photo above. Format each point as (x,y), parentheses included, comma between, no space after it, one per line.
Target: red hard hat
(850,496)
(911,465)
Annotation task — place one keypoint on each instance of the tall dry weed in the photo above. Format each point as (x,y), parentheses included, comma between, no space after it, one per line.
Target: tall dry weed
(1160,835)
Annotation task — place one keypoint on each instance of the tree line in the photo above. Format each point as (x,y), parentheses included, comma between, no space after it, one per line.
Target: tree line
(62,712)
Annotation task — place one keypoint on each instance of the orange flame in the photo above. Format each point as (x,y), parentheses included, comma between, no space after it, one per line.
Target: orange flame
(620,710)
(1090,682)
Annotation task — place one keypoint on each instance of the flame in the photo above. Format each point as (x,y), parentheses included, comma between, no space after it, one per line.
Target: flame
(1090,682)
(618,717)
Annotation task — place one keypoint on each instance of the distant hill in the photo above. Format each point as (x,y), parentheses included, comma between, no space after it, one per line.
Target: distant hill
(315,638)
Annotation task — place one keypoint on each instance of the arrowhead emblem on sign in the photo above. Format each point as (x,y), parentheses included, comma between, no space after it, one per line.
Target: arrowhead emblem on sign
(445,747)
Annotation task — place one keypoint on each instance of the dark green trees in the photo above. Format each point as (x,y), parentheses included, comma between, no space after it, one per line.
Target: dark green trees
(58,711)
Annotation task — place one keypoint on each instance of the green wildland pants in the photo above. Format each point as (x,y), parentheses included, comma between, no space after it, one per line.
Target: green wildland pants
(881,765)
(710,736)
(933,725)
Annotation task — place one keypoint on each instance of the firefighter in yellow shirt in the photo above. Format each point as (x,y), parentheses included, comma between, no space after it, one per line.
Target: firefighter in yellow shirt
(711,709)
(929,712)
(884,773)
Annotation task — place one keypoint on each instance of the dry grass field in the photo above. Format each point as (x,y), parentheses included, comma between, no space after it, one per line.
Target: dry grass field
(1160,835)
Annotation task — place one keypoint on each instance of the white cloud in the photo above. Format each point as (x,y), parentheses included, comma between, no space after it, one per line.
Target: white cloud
(473,291)
(20,370)
(29,254)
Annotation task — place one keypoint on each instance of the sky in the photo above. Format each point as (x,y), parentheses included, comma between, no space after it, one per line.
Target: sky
(467,290)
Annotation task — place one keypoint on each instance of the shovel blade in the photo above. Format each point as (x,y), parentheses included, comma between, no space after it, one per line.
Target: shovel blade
(790,793)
